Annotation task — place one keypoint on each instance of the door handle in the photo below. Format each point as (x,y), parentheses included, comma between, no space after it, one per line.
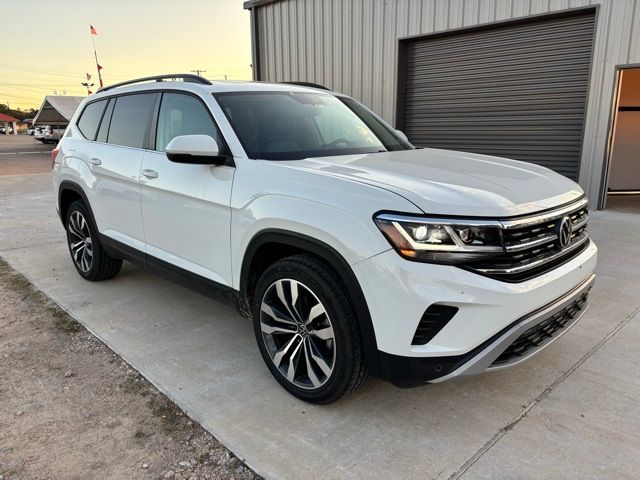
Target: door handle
(95,161)
(149,173)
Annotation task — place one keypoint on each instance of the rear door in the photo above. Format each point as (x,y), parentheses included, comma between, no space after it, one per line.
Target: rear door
(186,208)
(116,161)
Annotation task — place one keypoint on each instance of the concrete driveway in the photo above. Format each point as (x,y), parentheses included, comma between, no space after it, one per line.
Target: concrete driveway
(571,412)
(20,154)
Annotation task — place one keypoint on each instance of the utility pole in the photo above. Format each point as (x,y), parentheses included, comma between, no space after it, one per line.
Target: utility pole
(198,71)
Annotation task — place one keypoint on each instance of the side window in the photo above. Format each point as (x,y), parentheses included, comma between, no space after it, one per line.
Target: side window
(183,115)
(130,120)
(90,118)
(104,124)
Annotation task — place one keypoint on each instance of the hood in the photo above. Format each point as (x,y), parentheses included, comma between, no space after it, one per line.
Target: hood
(442,182)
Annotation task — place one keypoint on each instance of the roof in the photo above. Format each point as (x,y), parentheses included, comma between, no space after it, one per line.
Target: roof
(7,118)
(57,109)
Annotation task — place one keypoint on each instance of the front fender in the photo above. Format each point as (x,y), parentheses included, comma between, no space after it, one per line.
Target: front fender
(353,238)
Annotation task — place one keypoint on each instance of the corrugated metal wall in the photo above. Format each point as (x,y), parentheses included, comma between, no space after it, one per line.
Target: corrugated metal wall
(351,46)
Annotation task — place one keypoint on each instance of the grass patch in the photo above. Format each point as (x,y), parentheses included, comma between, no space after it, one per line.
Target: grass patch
(172,419)
(63,321)
(134,385)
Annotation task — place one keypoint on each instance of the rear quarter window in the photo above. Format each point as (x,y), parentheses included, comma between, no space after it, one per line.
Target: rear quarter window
(90,119)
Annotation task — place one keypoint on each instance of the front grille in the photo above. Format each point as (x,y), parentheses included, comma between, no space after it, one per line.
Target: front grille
(538,334)
(531,245)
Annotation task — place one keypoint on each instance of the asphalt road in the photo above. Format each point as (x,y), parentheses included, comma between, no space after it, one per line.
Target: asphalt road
(571,412)
(23,154)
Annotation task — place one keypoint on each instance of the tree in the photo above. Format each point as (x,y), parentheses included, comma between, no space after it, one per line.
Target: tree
(18,113)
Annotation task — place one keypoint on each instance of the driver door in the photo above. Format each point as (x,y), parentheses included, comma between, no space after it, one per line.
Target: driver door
(186,211)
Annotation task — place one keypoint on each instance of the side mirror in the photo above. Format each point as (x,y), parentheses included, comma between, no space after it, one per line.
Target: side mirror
(195,149)
(401,134)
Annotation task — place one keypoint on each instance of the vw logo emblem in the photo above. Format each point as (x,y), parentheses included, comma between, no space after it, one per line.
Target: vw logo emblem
(564,233)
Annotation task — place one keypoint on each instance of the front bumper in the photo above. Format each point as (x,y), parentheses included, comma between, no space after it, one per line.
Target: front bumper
(514,344)
(491,314)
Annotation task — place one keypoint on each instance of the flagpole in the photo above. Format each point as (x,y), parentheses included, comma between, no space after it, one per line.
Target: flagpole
(95,54)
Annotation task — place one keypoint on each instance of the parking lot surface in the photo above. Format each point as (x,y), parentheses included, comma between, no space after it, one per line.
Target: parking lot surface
(22,154)
(571,412)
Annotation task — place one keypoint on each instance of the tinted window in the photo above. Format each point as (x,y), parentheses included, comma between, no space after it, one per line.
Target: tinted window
(130,120)
(106,119)
(389,138)
(295,125)
(183,115)
(90,118)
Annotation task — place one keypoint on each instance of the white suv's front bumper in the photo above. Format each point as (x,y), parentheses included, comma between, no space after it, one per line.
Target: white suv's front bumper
(490,312)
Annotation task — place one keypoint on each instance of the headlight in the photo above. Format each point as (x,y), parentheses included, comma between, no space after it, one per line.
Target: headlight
(435,240)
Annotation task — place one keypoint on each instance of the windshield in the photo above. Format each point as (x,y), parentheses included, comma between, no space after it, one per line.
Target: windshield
(297,125)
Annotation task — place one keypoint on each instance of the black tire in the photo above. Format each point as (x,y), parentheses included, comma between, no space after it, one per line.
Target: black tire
(315,282)
(101,266)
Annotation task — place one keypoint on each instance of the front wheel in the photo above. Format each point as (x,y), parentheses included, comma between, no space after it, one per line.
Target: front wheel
(306,330)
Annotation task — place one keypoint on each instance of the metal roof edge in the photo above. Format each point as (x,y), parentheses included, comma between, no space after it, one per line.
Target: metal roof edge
(250,4)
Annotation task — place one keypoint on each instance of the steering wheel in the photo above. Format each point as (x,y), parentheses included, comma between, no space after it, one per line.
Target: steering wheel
(337,142)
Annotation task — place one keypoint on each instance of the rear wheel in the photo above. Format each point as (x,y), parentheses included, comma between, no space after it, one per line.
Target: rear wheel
(306,330)
(89,258)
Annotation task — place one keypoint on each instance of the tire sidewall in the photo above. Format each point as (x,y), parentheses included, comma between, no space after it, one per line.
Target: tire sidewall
(340,313)
(81,207)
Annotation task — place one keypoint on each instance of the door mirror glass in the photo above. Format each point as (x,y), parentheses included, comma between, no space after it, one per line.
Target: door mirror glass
(194,149)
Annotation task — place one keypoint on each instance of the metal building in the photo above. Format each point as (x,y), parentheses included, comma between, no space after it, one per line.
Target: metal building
(535,80)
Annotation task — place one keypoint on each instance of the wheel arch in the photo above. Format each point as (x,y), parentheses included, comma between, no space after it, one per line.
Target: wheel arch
(291,243)
(68,192)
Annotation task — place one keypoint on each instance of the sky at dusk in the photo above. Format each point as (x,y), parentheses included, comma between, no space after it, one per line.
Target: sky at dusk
(47,45)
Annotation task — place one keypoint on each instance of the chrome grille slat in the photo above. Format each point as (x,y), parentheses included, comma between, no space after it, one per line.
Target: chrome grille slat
(536,263)
(531,244)
(543,217)
(581,224)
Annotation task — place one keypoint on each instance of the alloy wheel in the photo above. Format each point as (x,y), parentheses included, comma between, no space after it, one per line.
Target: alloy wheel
(80,242)
(298,334)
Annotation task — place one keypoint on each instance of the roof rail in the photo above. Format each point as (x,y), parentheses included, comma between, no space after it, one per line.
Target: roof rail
(307,84)
(186,77)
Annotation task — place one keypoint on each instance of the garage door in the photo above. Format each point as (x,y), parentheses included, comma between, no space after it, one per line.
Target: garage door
(518,90)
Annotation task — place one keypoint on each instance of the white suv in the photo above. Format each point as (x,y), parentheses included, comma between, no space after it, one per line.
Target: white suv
(354,253)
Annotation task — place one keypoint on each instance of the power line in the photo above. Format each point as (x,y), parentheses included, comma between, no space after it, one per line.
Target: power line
(197,71)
